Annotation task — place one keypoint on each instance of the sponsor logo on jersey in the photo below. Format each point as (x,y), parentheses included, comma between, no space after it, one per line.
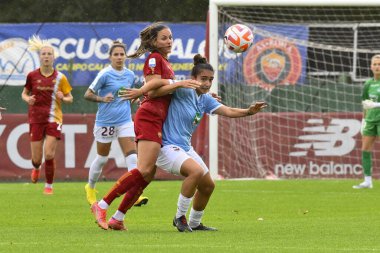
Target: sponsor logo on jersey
(42,88)
(197,118)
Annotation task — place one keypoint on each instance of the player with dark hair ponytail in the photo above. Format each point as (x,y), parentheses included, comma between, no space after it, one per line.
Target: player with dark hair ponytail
(178,157)
(156,39)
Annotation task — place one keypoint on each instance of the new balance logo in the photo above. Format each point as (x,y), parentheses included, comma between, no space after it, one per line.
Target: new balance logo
(337,139)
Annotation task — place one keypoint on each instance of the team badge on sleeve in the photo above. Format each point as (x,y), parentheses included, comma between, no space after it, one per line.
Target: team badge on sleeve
(152,64)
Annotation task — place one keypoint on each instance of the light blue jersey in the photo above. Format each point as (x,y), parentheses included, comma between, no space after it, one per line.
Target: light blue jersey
(109,80)
(185,112)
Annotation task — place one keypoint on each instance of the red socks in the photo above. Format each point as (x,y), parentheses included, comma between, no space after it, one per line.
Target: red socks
(132,183)
(49,170)
(131,197)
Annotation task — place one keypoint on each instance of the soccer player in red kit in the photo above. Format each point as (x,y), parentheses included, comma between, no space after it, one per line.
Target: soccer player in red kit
(156,39)
(44,91)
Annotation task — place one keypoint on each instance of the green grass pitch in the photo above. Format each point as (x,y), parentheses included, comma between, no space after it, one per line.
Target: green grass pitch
(252,216)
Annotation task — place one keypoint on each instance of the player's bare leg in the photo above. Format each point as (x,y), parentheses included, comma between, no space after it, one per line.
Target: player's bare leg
(201,198)
(193,173)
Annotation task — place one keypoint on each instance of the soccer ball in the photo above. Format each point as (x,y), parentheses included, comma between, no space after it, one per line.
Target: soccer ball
(238,38)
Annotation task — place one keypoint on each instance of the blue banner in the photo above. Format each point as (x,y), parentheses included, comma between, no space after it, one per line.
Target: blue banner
(83,48)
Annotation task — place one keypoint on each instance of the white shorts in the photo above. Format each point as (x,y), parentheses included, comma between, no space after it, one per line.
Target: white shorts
(172,157)
(110,133)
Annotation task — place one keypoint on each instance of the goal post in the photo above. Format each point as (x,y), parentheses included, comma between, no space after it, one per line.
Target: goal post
(334,41)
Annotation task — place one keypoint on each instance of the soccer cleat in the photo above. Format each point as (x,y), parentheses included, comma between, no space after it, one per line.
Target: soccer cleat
(90,194)
(363,185)
(35,175)
(100,215)
(141,201)
(116,224)
(202,227)
(181,224)
(48,191)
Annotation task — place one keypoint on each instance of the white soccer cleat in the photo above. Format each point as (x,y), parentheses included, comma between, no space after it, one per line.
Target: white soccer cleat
(363,185)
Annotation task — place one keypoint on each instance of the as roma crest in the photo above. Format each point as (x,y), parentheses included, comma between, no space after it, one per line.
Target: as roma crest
(272,62)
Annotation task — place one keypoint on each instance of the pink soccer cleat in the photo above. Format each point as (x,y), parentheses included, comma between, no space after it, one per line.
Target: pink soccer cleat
(48,191)
(100,215)
(116,224)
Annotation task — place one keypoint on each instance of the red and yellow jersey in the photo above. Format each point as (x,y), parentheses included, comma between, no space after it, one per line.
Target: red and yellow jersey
(47,108)
(156,64)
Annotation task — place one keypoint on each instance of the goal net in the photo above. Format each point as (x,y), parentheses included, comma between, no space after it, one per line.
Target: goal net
(309,63)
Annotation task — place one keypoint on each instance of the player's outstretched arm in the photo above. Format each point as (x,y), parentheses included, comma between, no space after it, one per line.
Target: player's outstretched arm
(239,112)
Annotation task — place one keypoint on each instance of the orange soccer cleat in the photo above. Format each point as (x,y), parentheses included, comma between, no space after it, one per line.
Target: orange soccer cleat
(48,191)
(35,175)
(100,215)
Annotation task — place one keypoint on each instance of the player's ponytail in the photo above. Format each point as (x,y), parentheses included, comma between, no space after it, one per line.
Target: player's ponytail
(148,36)
(200,63)
(36,44)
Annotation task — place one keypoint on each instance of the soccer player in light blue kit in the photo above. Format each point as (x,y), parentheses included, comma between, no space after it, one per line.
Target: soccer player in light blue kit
(177,156)
(113,118)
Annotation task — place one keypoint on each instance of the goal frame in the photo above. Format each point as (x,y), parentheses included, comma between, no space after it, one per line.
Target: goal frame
(214,48)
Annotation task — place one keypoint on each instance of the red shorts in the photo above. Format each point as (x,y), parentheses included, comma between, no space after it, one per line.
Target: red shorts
(148,125)
(38,131)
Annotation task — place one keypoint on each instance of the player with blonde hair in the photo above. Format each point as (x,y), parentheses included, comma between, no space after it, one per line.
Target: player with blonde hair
(44,92)
(371,121)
